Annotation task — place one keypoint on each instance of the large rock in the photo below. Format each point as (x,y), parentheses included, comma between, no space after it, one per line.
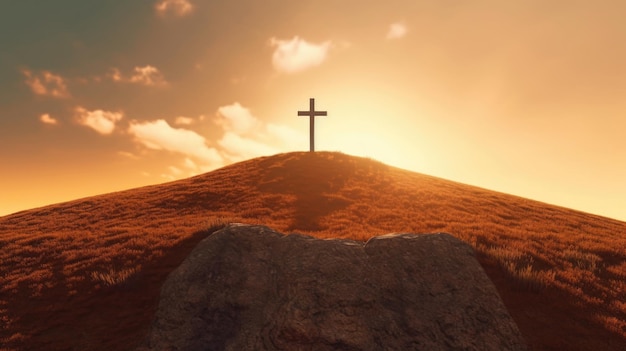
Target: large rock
(251,288)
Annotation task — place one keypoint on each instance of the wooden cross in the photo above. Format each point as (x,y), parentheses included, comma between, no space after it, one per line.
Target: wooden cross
(312,113)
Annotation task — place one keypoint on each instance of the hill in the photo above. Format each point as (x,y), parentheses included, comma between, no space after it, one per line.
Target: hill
(86,274)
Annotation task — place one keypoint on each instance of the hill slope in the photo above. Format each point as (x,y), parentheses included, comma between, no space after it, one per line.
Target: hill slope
(86,274)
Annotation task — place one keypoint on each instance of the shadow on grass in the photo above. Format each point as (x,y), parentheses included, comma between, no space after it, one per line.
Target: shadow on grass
(114,317)
(534,313)
(314,199)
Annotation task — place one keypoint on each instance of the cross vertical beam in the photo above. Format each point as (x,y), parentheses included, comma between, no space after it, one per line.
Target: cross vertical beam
(312,114)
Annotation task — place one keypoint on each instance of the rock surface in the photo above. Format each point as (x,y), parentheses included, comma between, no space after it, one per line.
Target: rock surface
(251,288)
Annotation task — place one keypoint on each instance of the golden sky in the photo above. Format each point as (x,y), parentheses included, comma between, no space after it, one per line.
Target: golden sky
(525,97)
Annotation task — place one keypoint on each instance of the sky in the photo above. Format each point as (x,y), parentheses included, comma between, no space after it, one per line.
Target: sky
(522,97)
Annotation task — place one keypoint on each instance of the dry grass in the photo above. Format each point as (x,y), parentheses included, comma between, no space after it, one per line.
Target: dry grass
(86,274)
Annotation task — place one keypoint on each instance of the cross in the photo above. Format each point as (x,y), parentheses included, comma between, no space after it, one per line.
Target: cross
(312,113)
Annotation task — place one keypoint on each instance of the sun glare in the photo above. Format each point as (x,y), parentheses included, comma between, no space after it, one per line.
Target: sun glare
(367,144)
(365,123)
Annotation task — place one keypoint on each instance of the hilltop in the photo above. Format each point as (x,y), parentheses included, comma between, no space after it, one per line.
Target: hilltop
(86,274)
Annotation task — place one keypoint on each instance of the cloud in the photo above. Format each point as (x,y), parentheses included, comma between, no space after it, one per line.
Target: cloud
(241,148)
(245,136)
(175,170)
(101,121)
(296,55)
(396,30)
(193,169)
(190,164)
(159,135)
(178,8)
(46,83)
(182,120)
(46,119)
(146,75)
(285,135)
(116,75)
(129,155)
(237,118)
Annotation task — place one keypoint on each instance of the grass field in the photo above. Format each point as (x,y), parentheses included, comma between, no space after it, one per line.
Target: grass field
(86,274)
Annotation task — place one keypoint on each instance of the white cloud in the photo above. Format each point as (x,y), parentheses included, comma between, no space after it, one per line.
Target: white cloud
(159,135)
(243,136)
(285,135)
(190,164)
(237,118)
(47,119)
(116,75)
(396,30)
(101,121)
(246,136)
(175,7)
(296,55)
(241,148)
(129,155)
(175,170)
(46,83)
(182,120)
(146,75)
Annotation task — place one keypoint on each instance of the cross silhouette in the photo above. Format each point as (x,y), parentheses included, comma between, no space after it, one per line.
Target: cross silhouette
(312,113)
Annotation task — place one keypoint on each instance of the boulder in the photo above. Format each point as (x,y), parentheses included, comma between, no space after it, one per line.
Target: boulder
(251,288)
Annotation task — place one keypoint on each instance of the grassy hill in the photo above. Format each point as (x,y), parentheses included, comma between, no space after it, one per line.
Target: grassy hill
(86,274)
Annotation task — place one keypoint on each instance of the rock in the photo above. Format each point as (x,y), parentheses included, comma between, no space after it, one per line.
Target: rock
(251,288)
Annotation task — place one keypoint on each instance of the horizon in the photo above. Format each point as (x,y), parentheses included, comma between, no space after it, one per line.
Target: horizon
(519,98)
(319,152)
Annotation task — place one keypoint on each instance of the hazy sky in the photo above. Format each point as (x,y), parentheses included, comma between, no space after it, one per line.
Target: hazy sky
(526,97)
